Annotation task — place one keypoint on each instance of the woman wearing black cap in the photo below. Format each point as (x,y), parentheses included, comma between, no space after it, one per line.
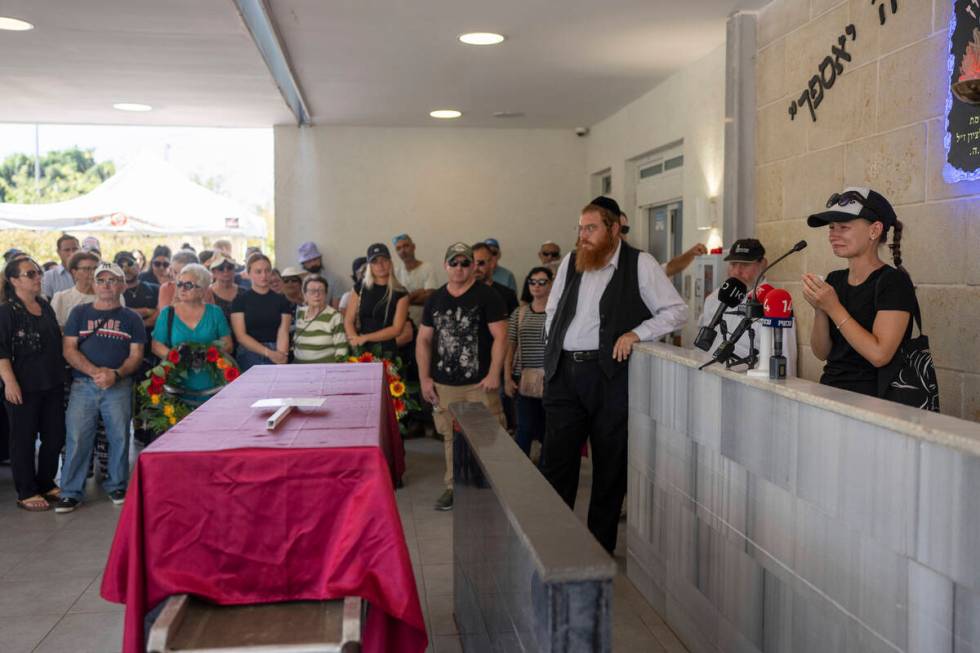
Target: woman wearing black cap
(862,313)
(377,313)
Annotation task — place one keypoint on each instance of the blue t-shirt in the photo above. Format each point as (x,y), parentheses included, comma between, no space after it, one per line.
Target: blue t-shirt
(118,328)
(211,327)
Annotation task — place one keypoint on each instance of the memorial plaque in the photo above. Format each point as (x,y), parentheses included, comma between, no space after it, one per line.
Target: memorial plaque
(962,138)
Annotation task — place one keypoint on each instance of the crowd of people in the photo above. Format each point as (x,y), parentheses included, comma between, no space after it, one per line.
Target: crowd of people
(547,356)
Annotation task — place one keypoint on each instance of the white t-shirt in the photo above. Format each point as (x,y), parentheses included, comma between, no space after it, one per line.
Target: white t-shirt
(421,278)
(711,304)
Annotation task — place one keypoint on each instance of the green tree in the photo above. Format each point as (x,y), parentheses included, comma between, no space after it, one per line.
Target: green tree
(65,174)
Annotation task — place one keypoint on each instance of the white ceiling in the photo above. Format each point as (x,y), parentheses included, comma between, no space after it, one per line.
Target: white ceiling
(566,63)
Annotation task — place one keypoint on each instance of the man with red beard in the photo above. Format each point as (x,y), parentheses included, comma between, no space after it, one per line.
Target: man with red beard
(607,296)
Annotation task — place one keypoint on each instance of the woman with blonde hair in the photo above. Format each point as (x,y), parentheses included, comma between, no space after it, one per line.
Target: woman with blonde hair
(377,313)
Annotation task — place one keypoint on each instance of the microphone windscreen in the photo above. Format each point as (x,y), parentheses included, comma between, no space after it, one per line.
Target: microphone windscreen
(762,291)
(800,245)
(778,304)
(732,292)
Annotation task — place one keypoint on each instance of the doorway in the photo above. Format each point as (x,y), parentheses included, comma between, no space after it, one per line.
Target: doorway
(665,230)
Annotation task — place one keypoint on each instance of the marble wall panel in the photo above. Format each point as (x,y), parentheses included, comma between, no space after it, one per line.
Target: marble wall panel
(639,394)
(669,390)
(641,441)
(770,520)
(930,611)
(818,458)
(721,493)
(705,409)
(949,514)
(759,432)
(966,620)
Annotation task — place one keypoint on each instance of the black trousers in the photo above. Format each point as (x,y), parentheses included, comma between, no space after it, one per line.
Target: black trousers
(582,404)
(41,413)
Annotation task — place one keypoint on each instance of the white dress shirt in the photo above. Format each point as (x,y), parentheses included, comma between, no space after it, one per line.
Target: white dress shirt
(668,310)
(711,305)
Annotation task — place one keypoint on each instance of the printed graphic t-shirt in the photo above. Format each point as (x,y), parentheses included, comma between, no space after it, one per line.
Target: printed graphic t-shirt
(118,328)
(462,341)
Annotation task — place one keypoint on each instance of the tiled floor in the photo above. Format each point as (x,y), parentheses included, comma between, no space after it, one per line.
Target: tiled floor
(50,572)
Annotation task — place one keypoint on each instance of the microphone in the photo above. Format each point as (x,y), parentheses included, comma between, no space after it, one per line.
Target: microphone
(731,294)
(763,290)
(778,310)
(753,307)
(727,349)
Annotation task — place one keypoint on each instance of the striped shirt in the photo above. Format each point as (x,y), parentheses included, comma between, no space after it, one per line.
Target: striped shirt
(320,340)
(531,352)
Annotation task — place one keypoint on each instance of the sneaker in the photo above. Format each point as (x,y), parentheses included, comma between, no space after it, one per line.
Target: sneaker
(118,497)
(445,501)
(66,504)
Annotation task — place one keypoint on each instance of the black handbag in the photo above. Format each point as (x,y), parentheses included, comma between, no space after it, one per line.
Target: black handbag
(910,378)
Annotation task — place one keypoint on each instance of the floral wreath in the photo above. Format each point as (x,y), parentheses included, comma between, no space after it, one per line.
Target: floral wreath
(162,394)
(402,394)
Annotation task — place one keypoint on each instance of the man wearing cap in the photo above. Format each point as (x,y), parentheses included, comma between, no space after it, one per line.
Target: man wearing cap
(501,274)
(103,343)
(607,296)
(746,260)
(311,260)
(59,277)
(418,277)
(460,350)
(91,244)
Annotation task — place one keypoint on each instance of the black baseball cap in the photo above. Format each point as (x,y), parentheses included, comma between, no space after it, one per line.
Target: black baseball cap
(358,262)
(855,202)
(123,256)
(376,250)
(746,250)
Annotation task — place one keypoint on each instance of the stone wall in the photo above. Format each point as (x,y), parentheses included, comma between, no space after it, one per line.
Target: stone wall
(879,125)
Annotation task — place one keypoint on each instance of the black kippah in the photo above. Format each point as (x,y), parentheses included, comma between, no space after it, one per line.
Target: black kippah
(607,203)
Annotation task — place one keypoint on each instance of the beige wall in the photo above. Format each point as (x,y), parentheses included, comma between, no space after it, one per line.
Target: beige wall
(880,125)
(347,187)
(688,106)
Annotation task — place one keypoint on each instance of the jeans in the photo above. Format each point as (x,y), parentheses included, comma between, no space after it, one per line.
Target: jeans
(247,359)
(530,422)
(86,403)
(41,413)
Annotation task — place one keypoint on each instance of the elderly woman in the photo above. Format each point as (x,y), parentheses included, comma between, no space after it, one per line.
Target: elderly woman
(377,313)
(82,267)
(168,291)
(32,370)
(260,319)
(190,319)
(320,336)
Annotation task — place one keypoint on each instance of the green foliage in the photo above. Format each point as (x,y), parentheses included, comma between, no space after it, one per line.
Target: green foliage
(65,175)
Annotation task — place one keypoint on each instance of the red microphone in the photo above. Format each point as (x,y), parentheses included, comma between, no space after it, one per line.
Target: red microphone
(778,315)
(762,291)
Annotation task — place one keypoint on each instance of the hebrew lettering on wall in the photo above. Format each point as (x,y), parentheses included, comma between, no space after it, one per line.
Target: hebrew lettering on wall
(962,137)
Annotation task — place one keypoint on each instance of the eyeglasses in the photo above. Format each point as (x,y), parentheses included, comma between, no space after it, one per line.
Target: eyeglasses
(315,291)
(161,264)
(843,199)
(538,282)
(588,228)
(550,253)
(481,264)
(86,268)
(107,281)
(30,274)
(186,285)
(459,263)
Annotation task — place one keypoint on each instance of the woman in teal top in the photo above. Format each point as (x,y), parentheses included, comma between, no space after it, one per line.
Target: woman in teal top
(192,321)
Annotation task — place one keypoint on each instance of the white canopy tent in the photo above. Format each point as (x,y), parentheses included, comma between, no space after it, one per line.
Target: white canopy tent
(149,196)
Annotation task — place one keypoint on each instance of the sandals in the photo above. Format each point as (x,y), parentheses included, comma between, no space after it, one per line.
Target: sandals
(53,494)
(36,503)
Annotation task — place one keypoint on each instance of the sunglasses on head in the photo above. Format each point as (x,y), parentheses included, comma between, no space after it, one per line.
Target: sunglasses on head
(186,285)
(161,264)
(550,253)
(30,274)
(538,282)
(459,263)
(224,267)
(846,198)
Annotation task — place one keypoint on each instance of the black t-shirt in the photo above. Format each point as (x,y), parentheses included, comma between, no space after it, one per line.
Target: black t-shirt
(462,341)
(32,344)
(376,312)
(142,295)
(845,367)
(263,313)
(506,294)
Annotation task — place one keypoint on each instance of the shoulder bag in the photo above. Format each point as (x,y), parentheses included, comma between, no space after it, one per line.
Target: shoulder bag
(532,378)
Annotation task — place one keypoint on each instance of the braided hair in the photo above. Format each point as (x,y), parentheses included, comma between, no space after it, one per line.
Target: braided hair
(896,246)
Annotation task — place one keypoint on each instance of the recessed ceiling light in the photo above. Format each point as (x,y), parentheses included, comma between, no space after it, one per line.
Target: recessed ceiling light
(14,24)
(481,38)
(445,114)
(131,106)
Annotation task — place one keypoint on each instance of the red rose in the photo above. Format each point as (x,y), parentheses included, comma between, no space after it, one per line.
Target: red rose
(399,405)
(154,390)
(366,357)
(157,381)
(173,356)
(212,355)
(231,373)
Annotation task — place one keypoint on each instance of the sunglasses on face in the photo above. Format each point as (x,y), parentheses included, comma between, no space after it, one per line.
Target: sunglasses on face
(846,198)
(186,285)
(107,281)
(538,282)
(127,264)
(291,280)
(161,264)
(550,254)
(30,274)
(481,264)
(459,263)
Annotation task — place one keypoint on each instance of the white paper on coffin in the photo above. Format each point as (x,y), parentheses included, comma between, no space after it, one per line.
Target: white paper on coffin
(284,407)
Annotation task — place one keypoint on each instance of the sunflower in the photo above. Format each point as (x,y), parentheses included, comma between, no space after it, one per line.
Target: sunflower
(154,399)
(168,410)
(397,389)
